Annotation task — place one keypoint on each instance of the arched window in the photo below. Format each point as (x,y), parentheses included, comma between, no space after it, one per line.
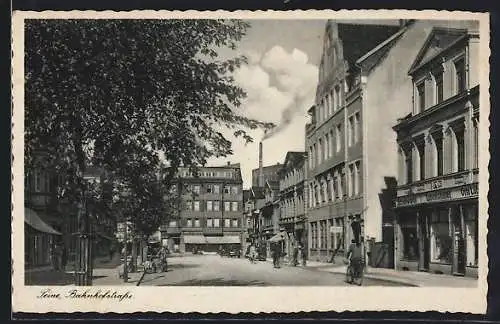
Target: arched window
(456,133)
(436,135)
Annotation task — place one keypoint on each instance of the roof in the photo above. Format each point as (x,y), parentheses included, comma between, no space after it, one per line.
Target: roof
(371,36)
(374,56)
(439,39)
(293,159)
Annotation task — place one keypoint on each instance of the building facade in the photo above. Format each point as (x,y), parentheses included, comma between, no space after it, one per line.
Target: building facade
(211,211)
(335,140)
(292,202)
(437,193)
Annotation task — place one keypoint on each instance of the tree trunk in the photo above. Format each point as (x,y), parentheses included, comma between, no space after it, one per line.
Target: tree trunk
(134,254)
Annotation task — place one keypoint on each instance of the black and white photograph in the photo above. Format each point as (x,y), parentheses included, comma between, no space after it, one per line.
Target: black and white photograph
(335,152)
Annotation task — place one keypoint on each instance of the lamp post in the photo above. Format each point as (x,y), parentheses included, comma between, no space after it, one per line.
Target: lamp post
(83,275)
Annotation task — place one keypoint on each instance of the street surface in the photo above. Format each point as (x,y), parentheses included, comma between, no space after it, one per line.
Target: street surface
(213,270)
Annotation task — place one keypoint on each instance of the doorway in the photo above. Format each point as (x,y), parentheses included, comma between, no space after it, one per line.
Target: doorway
(423,225)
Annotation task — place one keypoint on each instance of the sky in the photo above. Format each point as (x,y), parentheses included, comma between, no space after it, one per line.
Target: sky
(280,81)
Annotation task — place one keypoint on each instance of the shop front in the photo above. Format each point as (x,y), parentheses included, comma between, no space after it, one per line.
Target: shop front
(437,231)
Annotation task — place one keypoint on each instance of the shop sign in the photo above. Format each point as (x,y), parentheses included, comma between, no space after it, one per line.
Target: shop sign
(336,229)
(465,191)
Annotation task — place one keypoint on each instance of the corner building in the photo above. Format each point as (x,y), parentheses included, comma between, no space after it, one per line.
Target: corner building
(211,210)
(437,194)
(335,138)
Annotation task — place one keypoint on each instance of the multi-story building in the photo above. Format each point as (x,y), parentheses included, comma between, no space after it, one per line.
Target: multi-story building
(437,193)
(292,203)
(268,173)
(211,211)
(335,140)
(47,213)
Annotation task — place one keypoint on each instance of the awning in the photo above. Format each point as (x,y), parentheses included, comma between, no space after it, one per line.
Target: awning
(32,219)
(233,239)
(195,239)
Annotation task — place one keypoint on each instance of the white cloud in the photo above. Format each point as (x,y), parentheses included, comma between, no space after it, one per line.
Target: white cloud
(275,81)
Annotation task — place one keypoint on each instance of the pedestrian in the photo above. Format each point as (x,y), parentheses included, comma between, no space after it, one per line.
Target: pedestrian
(295,255)
(276,249)
(252,253)
(303,254)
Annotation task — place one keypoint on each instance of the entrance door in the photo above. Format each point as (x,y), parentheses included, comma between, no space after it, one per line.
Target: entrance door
(459,255)
(424,243)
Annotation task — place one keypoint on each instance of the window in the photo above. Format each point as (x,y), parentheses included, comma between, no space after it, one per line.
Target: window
(38,180)
(421,152)
(338,139)
(196,205)
(438,79)
(350,131)
(460,75)
(227,222)
(357,181)
(172,223)
(352,180)
(460,138)
(227,206)
(189,205)
(209,189)
(327,146)
(409,166)
(216,222)
(327,103)
(438,141)
(209,205)
(234,223)
(216,189)
(337,97)
(421,97)
(333,101)
(357,129)
(216,205)
(234,190)
(331,143)
(234,206)
(196,222)
(476,143)
(320,151)
(189,222)
(210,222)
(310,157)
(471,241)
(314,155)
(313,236)
(441,242)
(343,183)
(196,189)
(226,189)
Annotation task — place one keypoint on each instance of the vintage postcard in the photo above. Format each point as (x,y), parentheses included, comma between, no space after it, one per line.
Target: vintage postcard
(250,161)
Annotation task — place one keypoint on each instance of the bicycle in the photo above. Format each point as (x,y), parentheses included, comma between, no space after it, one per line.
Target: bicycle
(353,274)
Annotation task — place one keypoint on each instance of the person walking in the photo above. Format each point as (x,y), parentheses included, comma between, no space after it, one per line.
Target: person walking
(252,254)
(303,254)
(277,254)
(295,255)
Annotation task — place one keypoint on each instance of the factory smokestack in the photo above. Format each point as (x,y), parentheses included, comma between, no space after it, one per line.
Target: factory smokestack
(261,174)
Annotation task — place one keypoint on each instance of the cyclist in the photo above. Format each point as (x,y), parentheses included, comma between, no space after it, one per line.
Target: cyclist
(354,255)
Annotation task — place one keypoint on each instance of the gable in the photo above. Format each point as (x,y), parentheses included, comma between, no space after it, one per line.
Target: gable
(438,40)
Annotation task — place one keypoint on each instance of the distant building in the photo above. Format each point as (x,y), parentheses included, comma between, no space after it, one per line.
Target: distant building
(336,201)
(292,202)
(269,173)
(438,141)
(210,212)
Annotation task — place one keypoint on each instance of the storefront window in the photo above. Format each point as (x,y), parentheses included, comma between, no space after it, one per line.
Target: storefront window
(472,244)
(441,241)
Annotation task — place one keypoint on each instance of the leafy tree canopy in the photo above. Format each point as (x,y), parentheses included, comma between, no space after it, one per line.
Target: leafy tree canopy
(114,93)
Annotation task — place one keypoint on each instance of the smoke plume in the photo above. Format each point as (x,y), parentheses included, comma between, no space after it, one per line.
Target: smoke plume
(300,100)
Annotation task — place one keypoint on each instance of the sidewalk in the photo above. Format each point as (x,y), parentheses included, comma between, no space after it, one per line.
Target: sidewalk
(413,278)
(105,272)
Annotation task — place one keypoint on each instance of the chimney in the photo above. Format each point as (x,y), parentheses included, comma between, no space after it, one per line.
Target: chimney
(261,175)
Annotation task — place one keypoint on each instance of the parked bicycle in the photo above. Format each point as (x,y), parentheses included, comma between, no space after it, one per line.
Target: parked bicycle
(354,273)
